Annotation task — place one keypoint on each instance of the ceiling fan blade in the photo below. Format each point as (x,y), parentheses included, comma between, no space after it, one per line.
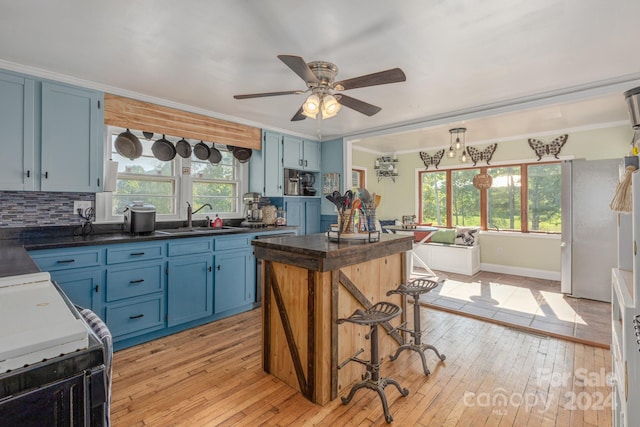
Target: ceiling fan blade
(299,67)
(356,104)
(261,95)
(380,78)
(298,116)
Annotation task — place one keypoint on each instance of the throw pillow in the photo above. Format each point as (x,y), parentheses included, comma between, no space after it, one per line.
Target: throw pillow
(467,236)
(444,236)
(419,235)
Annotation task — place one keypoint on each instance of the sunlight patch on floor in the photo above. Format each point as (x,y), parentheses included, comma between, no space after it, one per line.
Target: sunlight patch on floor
(561,309)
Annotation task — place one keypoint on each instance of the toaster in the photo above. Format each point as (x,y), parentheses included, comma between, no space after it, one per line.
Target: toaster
(139,218)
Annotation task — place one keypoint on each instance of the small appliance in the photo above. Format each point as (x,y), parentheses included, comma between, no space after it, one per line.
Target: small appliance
(291,182)
(307,179)
(139,218)
(252,211)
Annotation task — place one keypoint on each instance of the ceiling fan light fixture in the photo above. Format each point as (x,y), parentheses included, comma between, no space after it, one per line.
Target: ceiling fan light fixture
(330,106)
(311,106)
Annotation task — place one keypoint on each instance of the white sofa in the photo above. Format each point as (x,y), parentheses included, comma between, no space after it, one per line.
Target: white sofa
(450,258)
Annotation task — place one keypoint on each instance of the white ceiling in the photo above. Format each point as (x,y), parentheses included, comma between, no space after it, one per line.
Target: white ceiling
(501,68)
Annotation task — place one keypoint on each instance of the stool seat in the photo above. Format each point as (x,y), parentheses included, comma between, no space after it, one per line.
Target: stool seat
(415,288)
(380,312)
(373,316)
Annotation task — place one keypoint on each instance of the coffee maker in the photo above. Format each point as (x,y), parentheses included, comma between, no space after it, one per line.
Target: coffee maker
(252,211)
(307,179)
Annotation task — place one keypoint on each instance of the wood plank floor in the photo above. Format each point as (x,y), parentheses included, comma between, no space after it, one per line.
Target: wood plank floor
(493,376)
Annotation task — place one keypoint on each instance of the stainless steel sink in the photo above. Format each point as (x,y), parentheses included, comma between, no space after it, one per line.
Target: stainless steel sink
(200,230)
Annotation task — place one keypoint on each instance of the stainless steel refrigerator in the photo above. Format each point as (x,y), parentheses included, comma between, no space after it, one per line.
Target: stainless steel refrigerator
(589,239)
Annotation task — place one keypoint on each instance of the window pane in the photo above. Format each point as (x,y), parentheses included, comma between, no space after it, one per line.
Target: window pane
(503,199)
(465,200)
(147,164)
(225,170)
(434,198)
(544,198)
(222,196)
(157,193)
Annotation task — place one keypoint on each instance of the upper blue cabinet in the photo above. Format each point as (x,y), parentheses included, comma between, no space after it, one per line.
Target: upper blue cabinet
(300,154)
(55,134)
(72,124)
(17,117)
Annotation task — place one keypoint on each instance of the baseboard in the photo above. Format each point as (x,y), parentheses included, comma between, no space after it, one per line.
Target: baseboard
(519,271)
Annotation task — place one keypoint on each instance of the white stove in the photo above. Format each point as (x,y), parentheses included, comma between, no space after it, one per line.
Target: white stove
(35,322)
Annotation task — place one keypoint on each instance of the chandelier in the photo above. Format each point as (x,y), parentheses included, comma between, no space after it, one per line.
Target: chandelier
(457,147)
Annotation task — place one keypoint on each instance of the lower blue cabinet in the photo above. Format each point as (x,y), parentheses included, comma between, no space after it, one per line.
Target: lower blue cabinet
(190,289)
(83,286)
(234,280)
(135,316)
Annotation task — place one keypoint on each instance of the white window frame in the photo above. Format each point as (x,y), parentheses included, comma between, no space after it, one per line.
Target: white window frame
(184,187)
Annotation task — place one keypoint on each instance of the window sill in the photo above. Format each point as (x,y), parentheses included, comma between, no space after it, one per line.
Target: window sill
(504,233)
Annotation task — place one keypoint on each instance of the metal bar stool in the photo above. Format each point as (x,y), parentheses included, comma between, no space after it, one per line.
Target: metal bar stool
(373,316)
(415,288)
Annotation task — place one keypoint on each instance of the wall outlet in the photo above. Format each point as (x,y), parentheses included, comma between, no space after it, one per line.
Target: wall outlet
(82,205)
(499,250)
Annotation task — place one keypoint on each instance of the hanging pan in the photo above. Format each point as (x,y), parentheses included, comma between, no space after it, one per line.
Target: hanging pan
(215,156)
(201,150)
(242,154)
(163,150)
(128,145)
(183,148)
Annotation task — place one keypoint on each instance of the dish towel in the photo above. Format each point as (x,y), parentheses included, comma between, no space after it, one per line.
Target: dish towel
(100,329)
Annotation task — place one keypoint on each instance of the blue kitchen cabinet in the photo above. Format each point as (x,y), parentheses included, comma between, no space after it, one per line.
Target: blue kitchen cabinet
(71,138)
(189,280)
(17,112)
(303,213)
(300,154)
(84,286)
(190,289)
(134,301)
(235,281)
(272,160)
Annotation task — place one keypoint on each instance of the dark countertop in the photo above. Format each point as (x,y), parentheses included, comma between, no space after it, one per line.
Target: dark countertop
(15,260)
(316,252)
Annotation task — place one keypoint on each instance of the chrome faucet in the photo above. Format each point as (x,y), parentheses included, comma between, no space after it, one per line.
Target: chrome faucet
(190,212)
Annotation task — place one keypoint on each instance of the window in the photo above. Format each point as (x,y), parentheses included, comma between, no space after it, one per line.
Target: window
(524,197)
(145,179)
(169,185)
(216,184)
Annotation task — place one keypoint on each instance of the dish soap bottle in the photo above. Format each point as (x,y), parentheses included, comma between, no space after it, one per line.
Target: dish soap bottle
(217,223)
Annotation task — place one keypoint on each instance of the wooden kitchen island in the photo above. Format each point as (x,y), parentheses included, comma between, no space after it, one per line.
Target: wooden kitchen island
(308,283)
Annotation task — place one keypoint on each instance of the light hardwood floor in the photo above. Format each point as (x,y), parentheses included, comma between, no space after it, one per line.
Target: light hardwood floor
(493,376)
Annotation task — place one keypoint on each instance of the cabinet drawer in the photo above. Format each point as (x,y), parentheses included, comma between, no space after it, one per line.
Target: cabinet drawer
(232,243)
(133,280)
(137,315)
(56,259)
(190,246)
(135,253)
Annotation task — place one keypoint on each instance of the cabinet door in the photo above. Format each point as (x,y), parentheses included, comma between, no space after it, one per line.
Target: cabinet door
(190,289)
(71,134)
(292,152)
(272,158)
(311,155)
(295,214)
(17,125)
(312,216)
(233,285)
(84,286)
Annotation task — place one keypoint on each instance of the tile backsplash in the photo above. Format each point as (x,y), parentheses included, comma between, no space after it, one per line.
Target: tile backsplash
(31,209)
